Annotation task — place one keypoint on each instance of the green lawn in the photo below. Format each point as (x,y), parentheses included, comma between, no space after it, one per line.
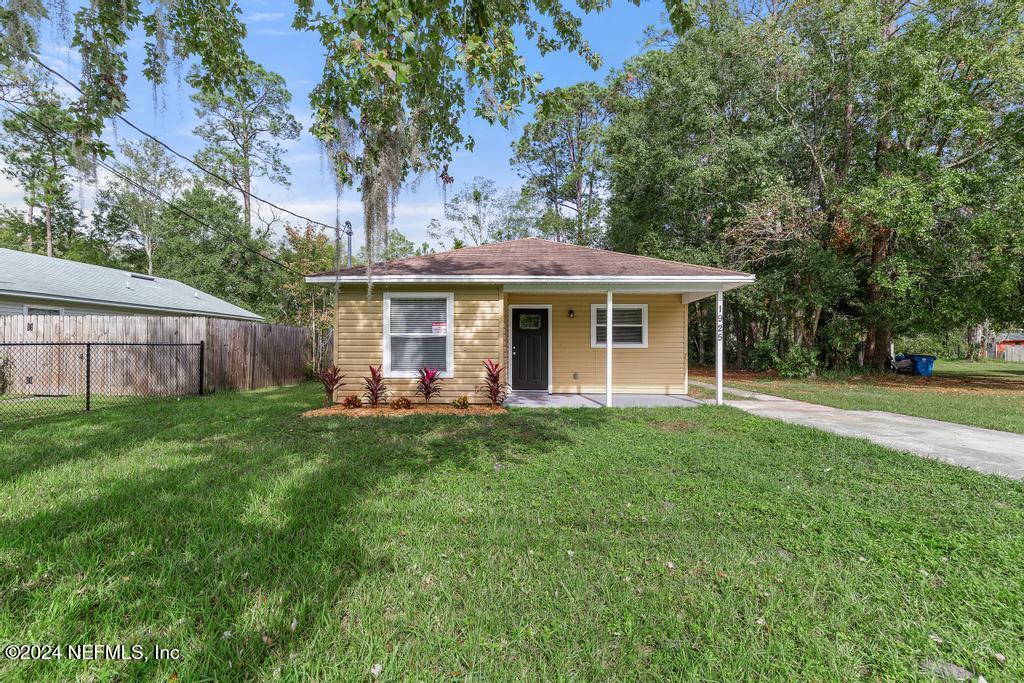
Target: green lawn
(15,408)
(988,394)
(981,370)
(699,543)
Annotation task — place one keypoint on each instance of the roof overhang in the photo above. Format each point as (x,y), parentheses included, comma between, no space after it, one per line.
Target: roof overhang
(33,296)
(558,283)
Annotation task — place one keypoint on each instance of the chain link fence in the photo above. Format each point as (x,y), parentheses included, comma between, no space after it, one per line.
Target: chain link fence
(39,379)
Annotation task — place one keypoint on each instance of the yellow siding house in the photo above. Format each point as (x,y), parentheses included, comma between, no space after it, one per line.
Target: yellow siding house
(537,307)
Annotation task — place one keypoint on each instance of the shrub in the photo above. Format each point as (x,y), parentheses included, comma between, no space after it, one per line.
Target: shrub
(461,403)
(6,374)
(429,383)
(798,363)
(376,391)
(332,379)
(495,390)
(763,356)
(310,371)
(401,403)
(352,402)
(838,341)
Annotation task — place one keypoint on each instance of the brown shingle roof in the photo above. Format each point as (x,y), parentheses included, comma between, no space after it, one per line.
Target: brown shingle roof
(534,257)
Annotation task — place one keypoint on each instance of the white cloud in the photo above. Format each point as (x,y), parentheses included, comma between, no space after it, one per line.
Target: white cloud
(273,32)
(263,16)
(10,193)
(305,158)
(83,193)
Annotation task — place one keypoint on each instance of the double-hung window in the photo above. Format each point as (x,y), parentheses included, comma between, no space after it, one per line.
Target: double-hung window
(418,333)
(629,326)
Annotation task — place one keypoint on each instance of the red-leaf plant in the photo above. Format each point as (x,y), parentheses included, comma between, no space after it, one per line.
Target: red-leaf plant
(376,391)
(494,388)
(332,379)
(429,383)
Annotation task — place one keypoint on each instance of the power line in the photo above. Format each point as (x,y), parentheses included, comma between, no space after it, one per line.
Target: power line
(189,159)
(47,129)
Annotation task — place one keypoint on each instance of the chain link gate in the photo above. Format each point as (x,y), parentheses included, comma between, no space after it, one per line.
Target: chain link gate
(40,379)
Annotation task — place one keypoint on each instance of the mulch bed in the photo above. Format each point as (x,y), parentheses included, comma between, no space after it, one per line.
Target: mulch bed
(416,409)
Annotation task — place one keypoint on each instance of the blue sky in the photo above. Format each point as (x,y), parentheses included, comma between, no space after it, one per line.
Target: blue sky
(615,34)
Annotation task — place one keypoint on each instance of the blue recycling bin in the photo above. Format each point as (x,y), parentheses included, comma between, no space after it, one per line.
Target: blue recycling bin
(923,365)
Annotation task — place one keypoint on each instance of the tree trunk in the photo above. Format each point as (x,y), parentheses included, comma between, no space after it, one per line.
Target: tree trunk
(31,222)
(739,329)
(148,247)
(49,232)
(876,344)
(247,203)
(699,327)
(812,331)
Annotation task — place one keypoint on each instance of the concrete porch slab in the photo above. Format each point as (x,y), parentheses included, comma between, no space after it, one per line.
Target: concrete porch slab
(542,399)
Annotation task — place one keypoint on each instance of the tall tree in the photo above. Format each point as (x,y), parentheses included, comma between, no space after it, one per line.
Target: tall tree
(225,261)
(128,212)
(243,126)
(561,154)
(36,146)
(399,246)
(480,212)
(855,156)
(308,250)
(398,75)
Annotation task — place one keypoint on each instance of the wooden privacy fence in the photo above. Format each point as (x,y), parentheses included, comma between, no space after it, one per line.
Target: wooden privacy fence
(54,369)
(238,354)
(246,355)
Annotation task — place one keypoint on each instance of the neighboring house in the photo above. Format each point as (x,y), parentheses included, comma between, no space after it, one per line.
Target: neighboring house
(32,284)
(539,307)
(1009,346)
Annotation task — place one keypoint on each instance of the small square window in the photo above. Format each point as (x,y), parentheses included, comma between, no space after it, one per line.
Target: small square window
(529,321)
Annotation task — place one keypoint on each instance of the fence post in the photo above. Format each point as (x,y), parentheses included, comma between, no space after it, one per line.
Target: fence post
(252,357)
(88,377)
(202,355)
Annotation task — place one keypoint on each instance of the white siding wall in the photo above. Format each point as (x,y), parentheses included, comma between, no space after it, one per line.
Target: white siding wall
(10,308)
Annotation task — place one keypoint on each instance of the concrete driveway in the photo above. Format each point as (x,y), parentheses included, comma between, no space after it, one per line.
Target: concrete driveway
(985,450)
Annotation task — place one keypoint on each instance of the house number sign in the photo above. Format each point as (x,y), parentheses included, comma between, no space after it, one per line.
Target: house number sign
(720,323)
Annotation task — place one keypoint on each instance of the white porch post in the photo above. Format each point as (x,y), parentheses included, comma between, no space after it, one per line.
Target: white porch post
(719,343)
(608,351)
(686,346)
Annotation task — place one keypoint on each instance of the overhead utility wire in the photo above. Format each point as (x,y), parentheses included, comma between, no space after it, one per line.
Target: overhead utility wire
(185,157)
(46,129)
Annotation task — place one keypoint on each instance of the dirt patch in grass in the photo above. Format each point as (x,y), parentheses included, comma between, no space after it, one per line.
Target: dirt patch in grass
(416,409)
(674,426)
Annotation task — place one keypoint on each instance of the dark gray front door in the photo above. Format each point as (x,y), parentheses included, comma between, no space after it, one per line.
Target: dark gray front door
(530,348)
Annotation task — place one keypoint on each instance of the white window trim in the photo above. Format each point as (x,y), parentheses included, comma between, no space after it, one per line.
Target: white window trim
(594,308)
(450,340)
(25,307)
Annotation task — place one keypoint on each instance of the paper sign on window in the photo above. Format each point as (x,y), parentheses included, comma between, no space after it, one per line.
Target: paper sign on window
(439,328)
